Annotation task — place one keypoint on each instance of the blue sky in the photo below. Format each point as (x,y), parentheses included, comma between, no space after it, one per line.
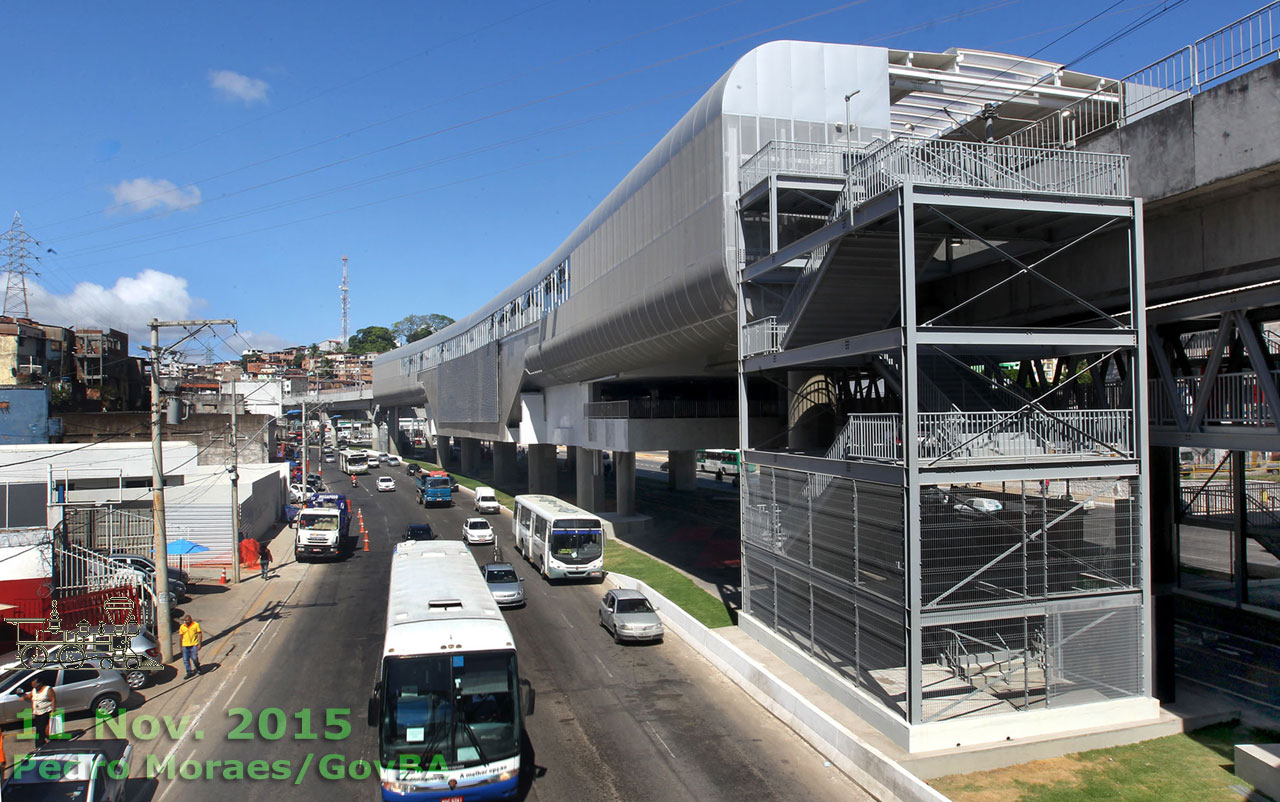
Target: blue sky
(217,161)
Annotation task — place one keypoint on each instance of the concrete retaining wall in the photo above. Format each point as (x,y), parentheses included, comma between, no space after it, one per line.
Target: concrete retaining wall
(870,768)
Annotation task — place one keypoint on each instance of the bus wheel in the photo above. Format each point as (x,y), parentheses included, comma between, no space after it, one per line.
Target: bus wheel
(719,475)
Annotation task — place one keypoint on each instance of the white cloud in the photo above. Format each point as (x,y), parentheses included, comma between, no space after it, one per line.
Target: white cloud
(234,86)
(262,340)
(141,194)
(128,305)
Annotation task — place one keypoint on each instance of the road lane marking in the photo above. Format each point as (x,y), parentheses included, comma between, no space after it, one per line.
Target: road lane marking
(602,665)
(566,620)
(654,730)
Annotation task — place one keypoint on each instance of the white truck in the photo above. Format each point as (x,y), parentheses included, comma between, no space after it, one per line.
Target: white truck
(323,527)
(487,500)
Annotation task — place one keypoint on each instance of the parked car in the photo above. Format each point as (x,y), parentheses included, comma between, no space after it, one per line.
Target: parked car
(627,615)
(386,483)
(477,530)
(90,770)
(178,580)
(100,690)
(486,500)
(978,507)
(419,532)
(391,459)
(143,645)
(934,495)
(503,583)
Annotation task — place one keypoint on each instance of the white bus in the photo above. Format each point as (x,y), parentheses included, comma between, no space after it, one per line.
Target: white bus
(722,462)
(353,462)
(561,540)
(448,704)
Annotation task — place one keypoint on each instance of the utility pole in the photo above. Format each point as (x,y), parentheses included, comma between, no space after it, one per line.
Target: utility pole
(164,627)
(346,301)
(235,491)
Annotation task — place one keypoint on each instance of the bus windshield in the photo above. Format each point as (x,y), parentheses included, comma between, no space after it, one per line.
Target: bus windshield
(461,706)
(575,547)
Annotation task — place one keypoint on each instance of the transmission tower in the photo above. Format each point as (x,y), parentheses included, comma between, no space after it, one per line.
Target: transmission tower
(17,252)
(346,301)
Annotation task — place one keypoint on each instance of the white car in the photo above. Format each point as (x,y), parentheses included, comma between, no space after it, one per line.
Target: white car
(978,507)
(477,530)
(386,483)
(373,459)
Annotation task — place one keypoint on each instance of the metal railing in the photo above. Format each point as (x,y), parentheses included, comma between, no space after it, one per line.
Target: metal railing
(979,165)
(796,158)
(81,571)
(874,437)
(1179,75)
(763,336)
(1262,500)
(997,436)
(1235,398)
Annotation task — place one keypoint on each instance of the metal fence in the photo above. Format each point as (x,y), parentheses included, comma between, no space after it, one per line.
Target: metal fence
(979,165)
(1234,398)
(1185,72)
(796,158)
(763,336)
(109,530)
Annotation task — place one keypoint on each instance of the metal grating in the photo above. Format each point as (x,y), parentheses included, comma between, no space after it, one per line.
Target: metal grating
(468,387)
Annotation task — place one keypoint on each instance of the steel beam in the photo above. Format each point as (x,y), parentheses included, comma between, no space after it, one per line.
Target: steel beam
(1165,370)
(875,342)
(1260,296)
(1211,369)
(973,474)
(1228,438)
(1092,600)
(1258,359)
(995,199)
(781,256)
(1064,341)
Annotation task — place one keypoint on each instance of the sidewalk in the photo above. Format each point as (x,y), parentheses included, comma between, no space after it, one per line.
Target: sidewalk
(233,618)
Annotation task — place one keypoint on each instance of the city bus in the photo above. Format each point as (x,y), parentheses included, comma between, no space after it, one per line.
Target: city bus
(560,540)
(353,462)
(448,703)
(721,462)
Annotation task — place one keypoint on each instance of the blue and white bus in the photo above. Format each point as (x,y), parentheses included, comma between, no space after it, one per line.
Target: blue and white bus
(560,540)
(449,704)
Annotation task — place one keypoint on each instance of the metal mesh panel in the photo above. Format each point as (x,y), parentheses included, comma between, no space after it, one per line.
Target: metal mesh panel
(1095,655)
(1025,542)
(468,387)
(827,573)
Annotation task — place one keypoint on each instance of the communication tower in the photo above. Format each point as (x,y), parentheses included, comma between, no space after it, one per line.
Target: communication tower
(346,301)
(16,247)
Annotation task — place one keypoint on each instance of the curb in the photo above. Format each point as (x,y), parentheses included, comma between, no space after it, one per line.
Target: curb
(883,778)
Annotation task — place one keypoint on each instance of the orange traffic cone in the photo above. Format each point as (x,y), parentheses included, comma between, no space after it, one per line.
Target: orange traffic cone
(366,539)
(223,579)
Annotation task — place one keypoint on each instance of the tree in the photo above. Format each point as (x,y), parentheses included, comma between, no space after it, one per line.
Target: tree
(414,327)
(297,359)
(371,340)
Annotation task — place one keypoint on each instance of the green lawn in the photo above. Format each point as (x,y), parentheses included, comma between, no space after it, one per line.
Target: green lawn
(1192,767)
(623,559)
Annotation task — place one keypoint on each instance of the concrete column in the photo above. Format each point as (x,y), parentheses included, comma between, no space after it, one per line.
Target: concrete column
(442,450)
(542,468)
(590,479)
(571,459)
(624,473)
(682,470)
(470,456)
(504,463)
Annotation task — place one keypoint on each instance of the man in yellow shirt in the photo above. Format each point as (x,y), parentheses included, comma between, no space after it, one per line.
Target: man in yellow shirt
(192,636)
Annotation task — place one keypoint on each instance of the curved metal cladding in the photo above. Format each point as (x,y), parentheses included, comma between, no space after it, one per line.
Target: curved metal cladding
(652,268)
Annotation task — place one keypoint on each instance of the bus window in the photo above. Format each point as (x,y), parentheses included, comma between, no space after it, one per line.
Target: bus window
(540,529)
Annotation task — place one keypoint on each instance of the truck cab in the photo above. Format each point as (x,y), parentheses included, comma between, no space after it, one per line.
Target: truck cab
(323,527)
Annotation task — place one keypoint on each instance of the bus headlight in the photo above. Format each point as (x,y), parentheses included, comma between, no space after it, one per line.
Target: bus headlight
(509,774)
(397,787)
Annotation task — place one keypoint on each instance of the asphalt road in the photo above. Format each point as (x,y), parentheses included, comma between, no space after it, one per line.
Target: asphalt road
(613,722)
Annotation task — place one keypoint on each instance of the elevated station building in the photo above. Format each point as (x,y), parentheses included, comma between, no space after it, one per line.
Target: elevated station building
(895,281)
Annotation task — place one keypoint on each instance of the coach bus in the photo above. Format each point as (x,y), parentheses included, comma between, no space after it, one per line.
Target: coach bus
(562,541)
(353,462)
(448,704)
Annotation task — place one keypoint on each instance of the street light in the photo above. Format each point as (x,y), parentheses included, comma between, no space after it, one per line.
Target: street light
(848,129)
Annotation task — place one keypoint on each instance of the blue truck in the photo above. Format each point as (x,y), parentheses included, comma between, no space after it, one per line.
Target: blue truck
(435,489)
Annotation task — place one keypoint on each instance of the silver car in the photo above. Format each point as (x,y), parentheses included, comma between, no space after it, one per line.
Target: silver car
(627,615)
(98,690)
(503,583)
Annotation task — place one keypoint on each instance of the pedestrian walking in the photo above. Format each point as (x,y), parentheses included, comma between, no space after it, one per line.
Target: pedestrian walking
(192,636)
(264,559)
(43,701)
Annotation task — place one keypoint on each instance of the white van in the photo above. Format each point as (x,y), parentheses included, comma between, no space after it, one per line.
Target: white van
(487,500)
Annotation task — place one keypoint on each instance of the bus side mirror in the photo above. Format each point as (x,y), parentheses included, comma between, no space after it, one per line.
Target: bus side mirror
(527,696)
(374,707)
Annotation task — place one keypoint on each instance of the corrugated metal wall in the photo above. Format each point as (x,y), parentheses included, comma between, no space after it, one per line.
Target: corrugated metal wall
(206,524)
